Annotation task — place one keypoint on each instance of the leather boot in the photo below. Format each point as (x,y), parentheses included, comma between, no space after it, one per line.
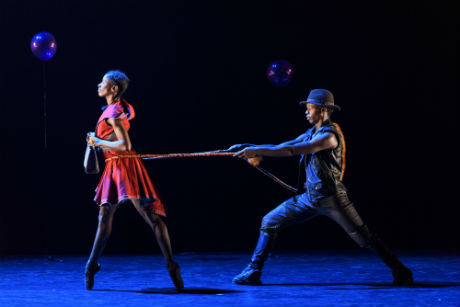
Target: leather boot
(251,274)
(401,274)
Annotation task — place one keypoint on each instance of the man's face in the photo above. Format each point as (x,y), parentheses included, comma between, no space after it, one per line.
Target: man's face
(313,113)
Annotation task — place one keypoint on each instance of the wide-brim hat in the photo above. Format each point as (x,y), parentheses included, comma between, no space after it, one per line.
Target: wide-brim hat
(321,97)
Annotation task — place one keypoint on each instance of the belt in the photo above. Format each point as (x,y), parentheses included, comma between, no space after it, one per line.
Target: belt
(122,157)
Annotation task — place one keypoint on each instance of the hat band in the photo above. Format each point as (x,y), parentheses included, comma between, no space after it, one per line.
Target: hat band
(321,104)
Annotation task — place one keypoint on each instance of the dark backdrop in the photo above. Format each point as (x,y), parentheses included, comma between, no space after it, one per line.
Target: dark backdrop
(198,74)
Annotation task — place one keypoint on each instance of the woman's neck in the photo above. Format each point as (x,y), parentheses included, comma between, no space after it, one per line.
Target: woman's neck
(110,99)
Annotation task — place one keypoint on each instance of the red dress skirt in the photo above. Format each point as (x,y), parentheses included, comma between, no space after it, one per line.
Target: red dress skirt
(124,178)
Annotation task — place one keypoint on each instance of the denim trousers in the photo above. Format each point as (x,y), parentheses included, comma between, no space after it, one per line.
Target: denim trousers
(299,209)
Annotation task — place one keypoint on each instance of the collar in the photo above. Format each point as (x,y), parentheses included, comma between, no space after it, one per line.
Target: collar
(107,105)
(327,122)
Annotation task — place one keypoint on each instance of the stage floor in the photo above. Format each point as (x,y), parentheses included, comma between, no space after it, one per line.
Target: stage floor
(305,278)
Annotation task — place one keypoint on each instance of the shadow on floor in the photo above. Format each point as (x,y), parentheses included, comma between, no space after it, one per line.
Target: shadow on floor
(374,284)
(204,291)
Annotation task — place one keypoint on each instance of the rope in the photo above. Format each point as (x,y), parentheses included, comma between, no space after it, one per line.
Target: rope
(276,179)
(343,150)
(174,155)
(217,153)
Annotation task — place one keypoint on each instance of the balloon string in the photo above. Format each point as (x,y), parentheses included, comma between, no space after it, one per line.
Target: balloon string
(44,106)
(217,153)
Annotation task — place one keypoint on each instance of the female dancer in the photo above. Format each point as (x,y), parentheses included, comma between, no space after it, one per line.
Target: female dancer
(125,179)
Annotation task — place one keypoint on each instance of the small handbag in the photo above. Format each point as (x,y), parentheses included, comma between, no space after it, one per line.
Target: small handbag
(91,162)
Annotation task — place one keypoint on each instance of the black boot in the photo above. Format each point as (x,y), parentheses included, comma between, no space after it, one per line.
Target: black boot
(401,274)
(251,274)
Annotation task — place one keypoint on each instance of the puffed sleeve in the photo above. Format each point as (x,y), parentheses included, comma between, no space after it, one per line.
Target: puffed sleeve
(122,110)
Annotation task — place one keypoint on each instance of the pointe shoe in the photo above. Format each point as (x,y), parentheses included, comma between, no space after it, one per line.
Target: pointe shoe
(90,271)
(174,273)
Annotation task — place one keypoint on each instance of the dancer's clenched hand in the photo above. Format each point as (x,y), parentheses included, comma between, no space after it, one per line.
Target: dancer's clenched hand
(92,140)
(248,152)
(238,147)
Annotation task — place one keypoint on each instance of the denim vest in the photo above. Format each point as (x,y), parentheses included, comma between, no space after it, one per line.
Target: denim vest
(323,168)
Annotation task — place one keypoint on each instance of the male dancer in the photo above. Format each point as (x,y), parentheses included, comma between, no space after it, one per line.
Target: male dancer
(322,151)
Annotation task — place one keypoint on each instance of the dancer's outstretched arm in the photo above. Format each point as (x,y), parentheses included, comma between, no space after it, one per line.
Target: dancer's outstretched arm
(324,141)
(239,147)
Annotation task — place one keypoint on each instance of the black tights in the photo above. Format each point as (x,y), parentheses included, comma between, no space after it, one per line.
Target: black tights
(104,229)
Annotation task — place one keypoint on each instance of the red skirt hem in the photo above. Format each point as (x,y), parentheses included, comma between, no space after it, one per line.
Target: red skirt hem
(127,178)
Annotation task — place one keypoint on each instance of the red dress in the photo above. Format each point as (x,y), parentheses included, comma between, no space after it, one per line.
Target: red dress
(124,178)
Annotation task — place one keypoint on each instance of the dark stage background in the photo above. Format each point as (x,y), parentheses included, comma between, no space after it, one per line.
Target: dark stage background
(199,83)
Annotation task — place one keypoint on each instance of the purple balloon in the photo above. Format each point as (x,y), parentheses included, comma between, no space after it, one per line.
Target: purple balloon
(43,45)
(279,73)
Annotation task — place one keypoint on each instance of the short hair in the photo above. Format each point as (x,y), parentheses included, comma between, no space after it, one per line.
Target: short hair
(329,110)
(119,79)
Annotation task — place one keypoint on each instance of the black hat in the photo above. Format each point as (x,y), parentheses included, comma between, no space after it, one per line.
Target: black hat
(322,98)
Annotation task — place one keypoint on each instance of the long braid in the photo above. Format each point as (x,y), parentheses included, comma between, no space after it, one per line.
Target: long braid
(343,150)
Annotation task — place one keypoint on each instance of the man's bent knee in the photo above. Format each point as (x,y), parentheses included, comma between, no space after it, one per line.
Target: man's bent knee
(269,224)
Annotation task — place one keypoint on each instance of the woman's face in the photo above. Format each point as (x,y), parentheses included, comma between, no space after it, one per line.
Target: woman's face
(106,88)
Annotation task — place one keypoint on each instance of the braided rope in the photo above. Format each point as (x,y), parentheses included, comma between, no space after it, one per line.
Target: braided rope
(173,155)
(217,153)
(276,179)
(344,150)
